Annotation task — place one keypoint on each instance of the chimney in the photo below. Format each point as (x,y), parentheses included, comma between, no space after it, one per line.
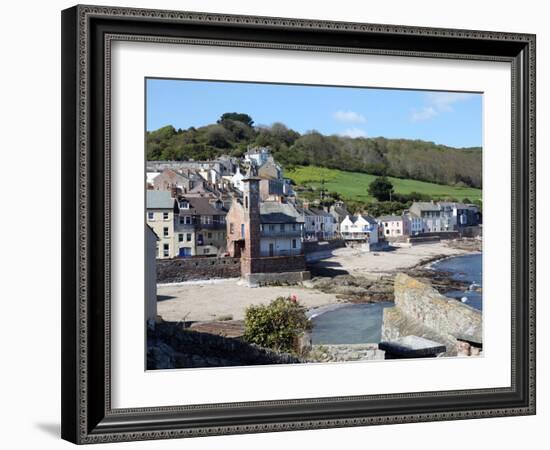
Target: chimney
(174,191)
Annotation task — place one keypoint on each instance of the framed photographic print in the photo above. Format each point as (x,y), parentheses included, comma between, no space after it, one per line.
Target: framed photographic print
(283,224)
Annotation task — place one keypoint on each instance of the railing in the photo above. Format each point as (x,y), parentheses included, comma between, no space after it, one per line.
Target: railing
(290,252)
(277,232)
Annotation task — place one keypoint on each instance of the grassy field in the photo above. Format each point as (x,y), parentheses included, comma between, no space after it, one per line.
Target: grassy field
(353,186)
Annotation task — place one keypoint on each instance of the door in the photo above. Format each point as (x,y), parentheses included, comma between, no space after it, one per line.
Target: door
(184,252)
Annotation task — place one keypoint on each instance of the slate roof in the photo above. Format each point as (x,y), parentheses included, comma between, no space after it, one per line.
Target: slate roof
(320,212)
(275,212)
(389,218)
(159,200)
(426,206)
(202,207)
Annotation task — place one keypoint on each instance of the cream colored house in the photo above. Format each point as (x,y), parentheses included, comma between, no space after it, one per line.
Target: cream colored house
(162,210)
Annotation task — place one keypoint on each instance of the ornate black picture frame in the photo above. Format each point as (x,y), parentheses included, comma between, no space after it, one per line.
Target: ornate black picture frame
(87,33)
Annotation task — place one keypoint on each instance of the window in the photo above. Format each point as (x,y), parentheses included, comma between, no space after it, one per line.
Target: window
(188,237)
(182,220)
(165,231)
(150,215)
(246,202)
(209,235)
(293,227)
(184,204)
(293,243)
(165,216)
(231,228)
(187,220)
(271,227)
(166,250)
(206,251)
(282,227)
(180,237)
(387,231)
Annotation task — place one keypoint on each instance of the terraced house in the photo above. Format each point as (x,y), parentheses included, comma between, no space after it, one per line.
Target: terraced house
(200,228)
(162,209)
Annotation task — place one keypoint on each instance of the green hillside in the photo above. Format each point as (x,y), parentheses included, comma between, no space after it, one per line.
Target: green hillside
(353,185)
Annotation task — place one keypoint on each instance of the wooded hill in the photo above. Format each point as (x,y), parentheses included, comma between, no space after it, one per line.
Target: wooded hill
(401,158)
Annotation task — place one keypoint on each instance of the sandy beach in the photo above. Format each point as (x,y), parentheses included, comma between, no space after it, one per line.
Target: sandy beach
(368,264)
(212,300)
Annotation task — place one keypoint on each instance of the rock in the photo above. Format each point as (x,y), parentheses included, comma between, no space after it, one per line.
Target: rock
(412,347)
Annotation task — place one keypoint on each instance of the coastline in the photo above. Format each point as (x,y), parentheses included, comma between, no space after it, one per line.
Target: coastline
(354,277)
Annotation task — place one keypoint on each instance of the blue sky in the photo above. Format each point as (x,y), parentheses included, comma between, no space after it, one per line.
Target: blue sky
(449,118)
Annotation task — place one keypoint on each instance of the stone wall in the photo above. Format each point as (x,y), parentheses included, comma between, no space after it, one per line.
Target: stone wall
(186,269)
(422,311)
(273,264)
(170,346)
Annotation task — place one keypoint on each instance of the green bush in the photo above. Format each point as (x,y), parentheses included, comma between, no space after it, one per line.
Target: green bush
(276,325)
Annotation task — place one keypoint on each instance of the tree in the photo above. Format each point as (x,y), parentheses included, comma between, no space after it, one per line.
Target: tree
(236,117)
(276,325)
(381,189)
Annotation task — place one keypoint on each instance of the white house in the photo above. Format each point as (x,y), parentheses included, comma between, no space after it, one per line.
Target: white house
(257,155)
(237,179)
(359,228)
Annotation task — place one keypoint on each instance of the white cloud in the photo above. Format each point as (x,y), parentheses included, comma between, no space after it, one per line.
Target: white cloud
(425,113)
(438,103)
(349,116)
(354,133)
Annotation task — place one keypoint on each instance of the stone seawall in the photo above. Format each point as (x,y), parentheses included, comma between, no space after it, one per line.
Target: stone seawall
(178,270)
(422,311)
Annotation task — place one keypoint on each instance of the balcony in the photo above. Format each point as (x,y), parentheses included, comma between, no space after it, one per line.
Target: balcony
(278,233)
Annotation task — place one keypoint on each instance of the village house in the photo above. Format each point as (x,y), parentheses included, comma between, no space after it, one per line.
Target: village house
(200,227)
(257,155)
(318,224)
(394,226)
(339,212)
(445,216)
(162,209)
(415,222)
(224,165)
(360,228)
(265,235)
(186,182)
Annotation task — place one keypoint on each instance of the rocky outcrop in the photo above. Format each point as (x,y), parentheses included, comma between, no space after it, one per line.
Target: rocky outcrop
(422,311)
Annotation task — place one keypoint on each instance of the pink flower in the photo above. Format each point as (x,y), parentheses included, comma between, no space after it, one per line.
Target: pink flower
(293,298)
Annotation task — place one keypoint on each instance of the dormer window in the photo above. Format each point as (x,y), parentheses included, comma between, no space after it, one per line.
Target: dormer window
(184,204)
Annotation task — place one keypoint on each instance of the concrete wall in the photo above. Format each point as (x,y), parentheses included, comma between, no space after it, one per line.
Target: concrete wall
(178,270)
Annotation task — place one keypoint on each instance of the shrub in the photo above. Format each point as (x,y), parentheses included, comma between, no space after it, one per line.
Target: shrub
(276,325)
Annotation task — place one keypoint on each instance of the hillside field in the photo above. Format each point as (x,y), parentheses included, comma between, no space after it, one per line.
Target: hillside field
(353,185)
